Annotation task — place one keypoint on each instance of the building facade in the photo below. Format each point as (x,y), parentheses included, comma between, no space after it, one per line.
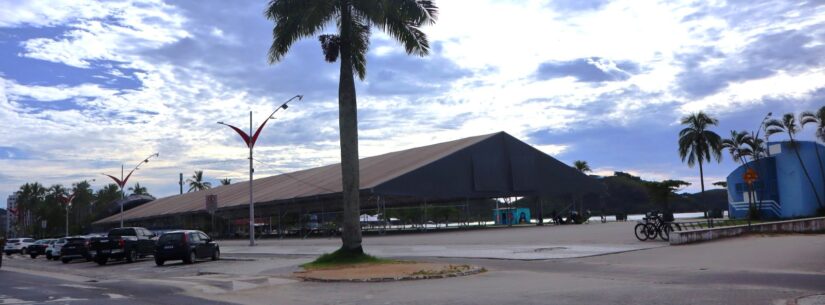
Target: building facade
(782,189)
(11,215)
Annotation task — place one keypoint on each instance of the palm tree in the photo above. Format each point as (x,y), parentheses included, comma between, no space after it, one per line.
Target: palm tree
(196,183)
(818,119)
(756,146)
(138,190)
(401,19)
(226,181)
(736,146)
(788,126)
(582,166)
(699,145)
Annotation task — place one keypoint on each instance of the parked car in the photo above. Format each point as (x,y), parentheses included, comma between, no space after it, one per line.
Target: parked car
(123,243)
(76,248)
(38,248)
(53,250)
(18,245)
(186,245)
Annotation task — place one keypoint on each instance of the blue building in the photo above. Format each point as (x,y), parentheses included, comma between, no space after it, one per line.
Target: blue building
(781,190)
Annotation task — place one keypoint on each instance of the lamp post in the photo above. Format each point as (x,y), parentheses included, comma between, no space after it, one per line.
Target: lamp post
(122,182)
(250,143)
(67,201)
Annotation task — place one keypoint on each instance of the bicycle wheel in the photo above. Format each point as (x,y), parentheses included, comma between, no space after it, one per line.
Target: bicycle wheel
(652,233)
(665,232)
(641,231)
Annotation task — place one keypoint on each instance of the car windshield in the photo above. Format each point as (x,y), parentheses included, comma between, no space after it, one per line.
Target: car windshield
(171,237)
(13,240)
(41,242)
(76,240)
(122,232)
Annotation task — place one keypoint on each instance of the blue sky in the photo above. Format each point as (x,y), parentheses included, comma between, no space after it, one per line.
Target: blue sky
(88,85)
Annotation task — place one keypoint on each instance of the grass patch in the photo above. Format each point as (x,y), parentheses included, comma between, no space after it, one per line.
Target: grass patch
(344,258)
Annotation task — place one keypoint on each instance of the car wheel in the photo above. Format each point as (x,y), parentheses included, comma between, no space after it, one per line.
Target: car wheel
(189,258)
(23,251)
(159,262)
(33,256)
(49,256)
(132,256)
(217,254)
(101,260)
(65,260)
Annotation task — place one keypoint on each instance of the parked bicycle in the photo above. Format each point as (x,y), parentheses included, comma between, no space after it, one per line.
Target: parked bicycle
(652,226)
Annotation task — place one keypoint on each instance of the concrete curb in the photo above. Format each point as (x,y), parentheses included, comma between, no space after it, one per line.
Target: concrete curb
(806,225)
(472,271)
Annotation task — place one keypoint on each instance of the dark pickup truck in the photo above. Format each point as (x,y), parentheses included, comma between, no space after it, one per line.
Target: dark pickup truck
(123,243)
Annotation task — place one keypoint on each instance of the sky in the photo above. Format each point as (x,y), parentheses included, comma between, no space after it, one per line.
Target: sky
(86,86)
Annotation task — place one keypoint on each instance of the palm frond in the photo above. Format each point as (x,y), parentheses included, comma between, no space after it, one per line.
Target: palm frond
(296,19)
(401,19)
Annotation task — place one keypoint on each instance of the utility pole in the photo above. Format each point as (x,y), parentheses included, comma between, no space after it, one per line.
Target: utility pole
(180,182)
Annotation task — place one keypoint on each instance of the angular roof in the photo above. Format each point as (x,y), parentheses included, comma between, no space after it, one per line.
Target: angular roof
(493,165)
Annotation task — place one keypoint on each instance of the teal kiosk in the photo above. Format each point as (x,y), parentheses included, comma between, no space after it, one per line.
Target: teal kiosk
(511,216)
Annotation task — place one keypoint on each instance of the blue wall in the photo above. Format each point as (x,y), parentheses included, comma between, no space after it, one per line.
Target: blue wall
(782,185)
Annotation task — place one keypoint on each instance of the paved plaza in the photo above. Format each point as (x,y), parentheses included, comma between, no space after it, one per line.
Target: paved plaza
(756,269)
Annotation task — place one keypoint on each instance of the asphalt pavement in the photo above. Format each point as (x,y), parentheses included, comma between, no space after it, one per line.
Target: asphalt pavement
(26,288)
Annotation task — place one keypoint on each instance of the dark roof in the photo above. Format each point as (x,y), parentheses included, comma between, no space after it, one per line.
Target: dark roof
(486,166)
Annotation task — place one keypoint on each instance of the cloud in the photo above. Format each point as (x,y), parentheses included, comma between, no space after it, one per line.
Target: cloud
(577,5)
(593,69)
(710,71)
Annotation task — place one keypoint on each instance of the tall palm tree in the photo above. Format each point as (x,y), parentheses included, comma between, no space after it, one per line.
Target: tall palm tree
(818,119)
(401,19)
(788,126)
(697,144)
(138,190)
(582,166)
(226,181)
(196,183)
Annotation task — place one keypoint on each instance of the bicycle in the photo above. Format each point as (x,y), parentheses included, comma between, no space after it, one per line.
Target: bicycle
(652,226)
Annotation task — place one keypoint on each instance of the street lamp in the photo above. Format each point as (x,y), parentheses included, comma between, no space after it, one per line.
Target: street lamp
(250,143)
(67,201)
(122,182)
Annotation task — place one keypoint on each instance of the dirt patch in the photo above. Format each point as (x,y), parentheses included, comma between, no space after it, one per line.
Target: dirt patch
(388,272)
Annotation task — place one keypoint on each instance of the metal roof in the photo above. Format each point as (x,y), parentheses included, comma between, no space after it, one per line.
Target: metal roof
(493,165)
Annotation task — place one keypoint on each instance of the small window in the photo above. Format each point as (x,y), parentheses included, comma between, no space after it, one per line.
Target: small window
(29,240)
(203,236)
(194,237)
(11,241)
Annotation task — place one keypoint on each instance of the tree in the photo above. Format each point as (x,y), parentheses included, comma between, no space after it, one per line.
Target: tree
(226,181)
(722,184)
(401,19)
(661,191)
(196,183)
(818,119)
(103,200)
(138,190)
(738,146)
(582,166)
(788,126)
(697,144)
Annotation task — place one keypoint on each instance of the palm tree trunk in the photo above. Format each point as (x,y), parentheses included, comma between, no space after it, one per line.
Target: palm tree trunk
(821,169)
(702,181)
(348,125)
(805,170)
